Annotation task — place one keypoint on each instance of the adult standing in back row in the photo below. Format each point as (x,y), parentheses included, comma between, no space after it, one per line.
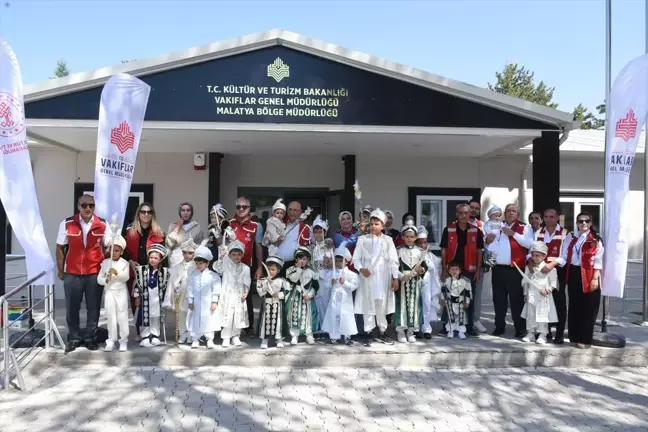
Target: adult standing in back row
(180,231)
(79,253)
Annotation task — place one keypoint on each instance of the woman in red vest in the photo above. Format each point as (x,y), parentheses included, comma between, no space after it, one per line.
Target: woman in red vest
(583,273)
(140,236)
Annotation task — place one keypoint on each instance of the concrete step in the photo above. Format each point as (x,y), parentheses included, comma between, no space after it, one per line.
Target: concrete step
(482,352)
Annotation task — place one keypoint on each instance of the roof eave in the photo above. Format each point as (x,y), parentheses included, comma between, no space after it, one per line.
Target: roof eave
(256,41)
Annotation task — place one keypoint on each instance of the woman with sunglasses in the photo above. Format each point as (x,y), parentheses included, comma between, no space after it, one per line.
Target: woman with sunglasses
(181,230)
(583,264)
(140,235)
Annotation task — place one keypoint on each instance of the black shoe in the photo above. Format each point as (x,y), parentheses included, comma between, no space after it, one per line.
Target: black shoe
(427,336)
(386,339)
(520,335)
(558,341)
(92,346)
(348,341)
(498,332)
(472,333)
(443,331)
(367,340)
(71,346)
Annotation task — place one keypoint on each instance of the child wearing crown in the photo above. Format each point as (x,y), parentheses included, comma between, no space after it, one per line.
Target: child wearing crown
(431,284)
(149,291)
(272,289)
(301,311)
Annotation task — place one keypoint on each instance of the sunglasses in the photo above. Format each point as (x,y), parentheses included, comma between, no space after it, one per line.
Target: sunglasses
(87,205)
(242,207)
(583,221)
(146,212)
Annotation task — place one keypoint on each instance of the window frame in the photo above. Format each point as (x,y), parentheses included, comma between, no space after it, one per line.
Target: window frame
(444,212)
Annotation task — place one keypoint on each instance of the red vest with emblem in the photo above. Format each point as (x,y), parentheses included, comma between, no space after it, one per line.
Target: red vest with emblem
(470,250)
(588,252)
(304,234)
(80,259)
(246,234)
(518,252)
(554,247)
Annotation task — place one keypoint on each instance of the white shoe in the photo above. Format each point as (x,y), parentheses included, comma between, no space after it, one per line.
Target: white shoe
(226,343)
(293,341)
(411,338)
(450,334)
(123,346)
(183,339)
(479,327)
(156,341)
(280,344)
(310,340)
(138,338)
(210,344)
(530,337)
(264,344)
(195,344)
(145,343)
(400,335)
(462,335)
(236,341)
(542,339)
(109,345)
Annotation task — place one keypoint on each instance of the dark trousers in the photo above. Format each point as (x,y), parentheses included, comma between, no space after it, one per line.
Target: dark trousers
(507,288)
(583,308)
(560,300)
(76,287)
(249,302)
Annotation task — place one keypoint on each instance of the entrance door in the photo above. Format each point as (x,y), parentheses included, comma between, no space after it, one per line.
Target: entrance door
(138,194)
(333,209)
(571,207)
(316,200)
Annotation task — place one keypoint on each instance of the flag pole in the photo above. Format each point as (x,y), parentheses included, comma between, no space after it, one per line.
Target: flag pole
(644,322)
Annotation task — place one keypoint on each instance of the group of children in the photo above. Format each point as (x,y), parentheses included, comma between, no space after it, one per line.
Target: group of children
(314,296)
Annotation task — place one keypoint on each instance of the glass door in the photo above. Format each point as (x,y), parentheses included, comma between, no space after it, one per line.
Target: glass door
(333,209)
(570,207)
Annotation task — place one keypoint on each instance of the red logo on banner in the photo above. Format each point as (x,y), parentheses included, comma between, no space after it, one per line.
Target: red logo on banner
(626,128)
(122,137)
(12,121)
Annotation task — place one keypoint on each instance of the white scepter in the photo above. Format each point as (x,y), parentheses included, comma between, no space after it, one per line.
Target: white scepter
(357,192)
(113,229)
(302,218)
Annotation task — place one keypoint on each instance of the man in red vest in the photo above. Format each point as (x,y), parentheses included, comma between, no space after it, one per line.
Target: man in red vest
(249,233)
(555,236)
(463,243)
(510,248)
(79,253)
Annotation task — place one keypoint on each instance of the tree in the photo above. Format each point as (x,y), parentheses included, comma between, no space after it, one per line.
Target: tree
(519,82)
(61,70)
(588,120)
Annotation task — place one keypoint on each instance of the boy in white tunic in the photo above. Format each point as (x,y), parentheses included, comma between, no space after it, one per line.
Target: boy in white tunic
(376,259)
(114,274)
(431,285)
(272,289)
(457,293)
(176,297)
(339,321)
(232,307)
(539,308)
(301,311)
(149,290)
(203,291)
(323,251)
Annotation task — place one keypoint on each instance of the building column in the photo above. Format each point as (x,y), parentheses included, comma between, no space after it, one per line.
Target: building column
(348,196)
(546,172)
(214,168)
(3,250)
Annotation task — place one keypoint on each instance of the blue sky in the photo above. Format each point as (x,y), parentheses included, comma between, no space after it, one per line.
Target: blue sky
(562,41)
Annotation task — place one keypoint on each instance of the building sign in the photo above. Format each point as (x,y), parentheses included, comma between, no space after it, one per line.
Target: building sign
(282,85)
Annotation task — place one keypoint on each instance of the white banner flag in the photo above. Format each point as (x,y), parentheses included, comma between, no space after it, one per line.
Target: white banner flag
(121,118)
(17,188)
(627,107)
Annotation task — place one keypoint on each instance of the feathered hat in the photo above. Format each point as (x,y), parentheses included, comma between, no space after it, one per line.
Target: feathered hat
(273,259)
(160,249)
(378,214)
(188,245)
(279,205)
(219,210)
(236,245)
(319,222)
(366,209)
(409,226)
(540,247)
(203,251)
(342,251)
(119,241)
(422,233)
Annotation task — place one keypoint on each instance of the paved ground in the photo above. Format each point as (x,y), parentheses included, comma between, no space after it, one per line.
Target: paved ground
(257,399)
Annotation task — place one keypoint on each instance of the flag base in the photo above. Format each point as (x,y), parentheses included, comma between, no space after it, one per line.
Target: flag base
(608,340)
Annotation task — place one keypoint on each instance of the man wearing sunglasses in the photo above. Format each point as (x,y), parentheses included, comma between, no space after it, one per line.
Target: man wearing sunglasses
(250,233)
(79,252)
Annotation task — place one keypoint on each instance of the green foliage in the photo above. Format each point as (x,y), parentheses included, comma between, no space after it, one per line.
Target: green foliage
(519,82)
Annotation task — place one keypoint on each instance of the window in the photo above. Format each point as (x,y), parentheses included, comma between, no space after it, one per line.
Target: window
(435,212)
(570,207)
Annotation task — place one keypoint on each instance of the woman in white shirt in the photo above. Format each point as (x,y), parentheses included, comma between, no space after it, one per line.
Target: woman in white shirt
(583,260)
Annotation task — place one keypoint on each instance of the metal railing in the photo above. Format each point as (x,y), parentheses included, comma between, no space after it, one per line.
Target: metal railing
(11,362)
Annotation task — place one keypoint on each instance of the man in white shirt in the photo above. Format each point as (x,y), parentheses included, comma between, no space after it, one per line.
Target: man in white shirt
(510,248)
(297,234)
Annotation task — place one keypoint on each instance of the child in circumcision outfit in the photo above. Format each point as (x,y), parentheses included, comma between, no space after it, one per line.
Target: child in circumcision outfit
(539,308)
(275,227)
(114,274)
(272,289)
(457,293)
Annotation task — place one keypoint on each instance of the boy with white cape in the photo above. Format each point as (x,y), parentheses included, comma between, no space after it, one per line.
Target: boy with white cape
(431,285)
(339,321)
